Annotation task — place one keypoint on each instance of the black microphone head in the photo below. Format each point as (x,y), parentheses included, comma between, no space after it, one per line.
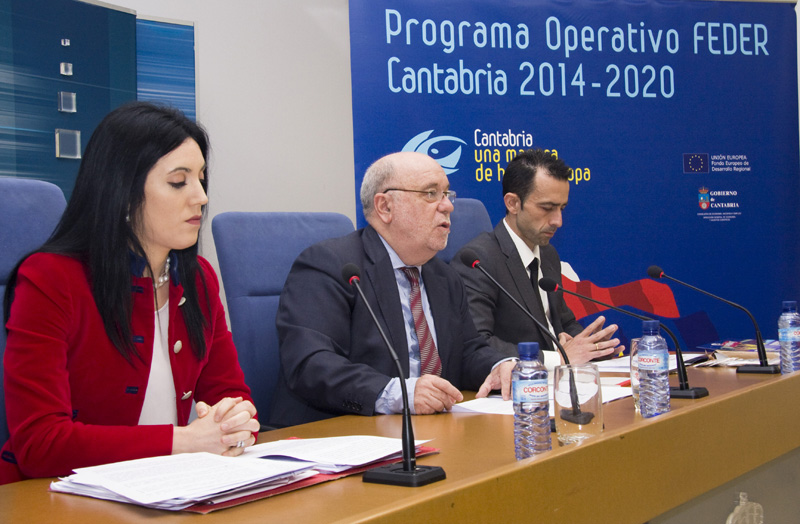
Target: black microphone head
(350,271)
(470,258)
(548,284)
(655,272)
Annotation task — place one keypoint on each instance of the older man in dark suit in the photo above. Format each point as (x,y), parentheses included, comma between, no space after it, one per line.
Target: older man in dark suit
(333,359)
(518,253)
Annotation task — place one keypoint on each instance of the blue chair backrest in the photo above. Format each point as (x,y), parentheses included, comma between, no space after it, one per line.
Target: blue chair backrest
(256,252)
(29,211)
(468,220)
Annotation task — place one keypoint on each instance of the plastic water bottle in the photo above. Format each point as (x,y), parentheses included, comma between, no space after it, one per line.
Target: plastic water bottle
(531,403)
(789,336)
(634,356)
(746,512)
(653,371)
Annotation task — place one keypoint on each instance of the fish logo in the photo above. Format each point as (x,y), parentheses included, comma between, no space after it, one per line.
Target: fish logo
(422,143)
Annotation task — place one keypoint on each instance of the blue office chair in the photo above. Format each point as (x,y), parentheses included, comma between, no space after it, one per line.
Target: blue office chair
(256,252)
(29,211)
(468,220)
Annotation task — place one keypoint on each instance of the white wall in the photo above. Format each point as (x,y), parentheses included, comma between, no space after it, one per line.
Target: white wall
(273,91)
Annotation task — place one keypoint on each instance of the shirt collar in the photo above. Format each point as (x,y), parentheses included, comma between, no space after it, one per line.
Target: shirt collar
(525,253)
(394,257)
(139,263)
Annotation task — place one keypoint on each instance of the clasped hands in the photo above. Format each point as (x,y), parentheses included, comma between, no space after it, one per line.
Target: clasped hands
(592,343)
(226,428)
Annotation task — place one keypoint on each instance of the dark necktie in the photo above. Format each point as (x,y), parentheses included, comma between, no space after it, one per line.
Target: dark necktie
(534,267)
(430,364)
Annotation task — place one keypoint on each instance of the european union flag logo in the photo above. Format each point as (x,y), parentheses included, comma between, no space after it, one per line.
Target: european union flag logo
(695,163)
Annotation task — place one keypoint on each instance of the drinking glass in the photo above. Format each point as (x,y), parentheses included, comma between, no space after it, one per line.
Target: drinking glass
(578,402)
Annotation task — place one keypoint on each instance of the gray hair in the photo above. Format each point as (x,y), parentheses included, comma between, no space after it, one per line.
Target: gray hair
(375,180)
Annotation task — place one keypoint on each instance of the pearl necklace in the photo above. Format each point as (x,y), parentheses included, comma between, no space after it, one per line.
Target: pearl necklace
(164,278)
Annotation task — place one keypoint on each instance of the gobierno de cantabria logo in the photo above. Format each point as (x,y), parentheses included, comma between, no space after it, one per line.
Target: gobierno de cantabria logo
(704,198)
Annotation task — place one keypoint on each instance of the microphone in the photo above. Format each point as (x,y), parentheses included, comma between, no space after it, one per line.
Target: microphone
(470,258)
(407,473)
(762,366)
(683,391)
(574,415)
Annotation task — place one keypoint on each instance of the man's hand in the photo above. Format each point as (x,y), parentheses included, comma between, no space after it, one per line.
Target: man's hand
(499,378)
(433,394)
(591,343)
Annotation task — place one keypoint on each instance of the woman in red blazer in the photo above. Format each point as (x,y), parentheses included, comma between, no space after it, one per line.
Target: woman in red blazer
(115,324)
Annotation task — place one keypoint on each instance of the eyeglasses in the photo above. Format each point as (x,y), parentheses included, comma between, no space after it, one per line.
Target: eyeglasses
(431,195)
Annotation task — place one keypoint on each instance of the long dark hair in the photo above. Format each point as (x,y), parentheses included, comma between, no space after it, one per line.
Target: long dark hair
(98,224)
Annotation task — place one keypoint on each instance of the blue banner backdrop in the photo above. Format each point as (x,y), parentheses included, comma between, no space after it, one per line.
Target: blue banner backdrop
(679,119)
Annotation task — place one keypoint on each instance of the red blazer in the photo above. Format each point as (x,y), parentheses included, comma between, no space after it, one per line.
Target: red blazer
(72,400)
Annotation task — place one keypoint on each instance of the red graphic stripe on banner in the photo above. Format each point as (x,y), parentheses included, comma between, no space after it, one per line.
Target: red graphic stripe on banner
(645,295)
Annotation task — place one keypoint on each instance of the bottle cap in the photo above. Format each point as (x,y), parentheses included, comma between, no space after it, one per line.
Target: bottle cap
(650,327)
(528,350)
(790,305)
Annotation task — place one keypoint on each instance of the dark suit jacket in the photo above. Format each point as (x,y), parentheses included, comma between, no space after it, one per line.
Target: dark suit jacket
(333,360)
(497,318)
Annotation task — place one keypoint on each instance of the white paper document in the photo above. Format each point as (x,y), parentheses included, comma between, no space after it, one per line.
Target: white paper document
(739,358)
(177,481)
(495,405)
(333,454)
(623,364)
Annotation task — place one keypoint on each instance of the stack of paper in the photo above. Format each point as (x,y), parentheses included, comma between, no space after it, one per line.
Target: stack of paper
(333,454)
(748,344)
(177,482)
(734,353)
(739,358)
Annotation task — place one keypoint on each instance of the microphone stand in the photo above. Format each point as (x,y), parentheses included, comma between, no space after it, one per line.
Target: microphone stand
(682,391)
(763,365)
(408,473)
(574,415)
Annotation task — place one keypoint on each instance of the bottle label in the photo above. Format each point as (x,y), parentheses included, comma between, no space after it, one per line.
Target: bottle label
(530,391)
(653,362)
(791,334)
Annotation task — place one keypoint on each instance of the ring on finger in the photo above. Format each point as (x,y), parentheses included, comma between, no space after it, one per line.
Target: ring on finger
(596,346)
(240,444)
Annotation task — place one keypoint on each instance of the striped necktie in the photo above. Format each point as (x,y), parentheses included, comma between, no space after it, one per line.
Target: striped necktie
(430,363)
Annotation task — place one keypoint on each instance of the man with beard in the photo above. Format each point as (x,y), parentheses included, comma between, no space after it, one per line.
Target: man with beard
(518,253)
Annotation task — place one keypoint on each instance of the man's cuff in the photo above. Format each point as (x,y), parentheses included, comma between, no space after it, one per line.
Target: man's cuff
(390,401)
(515,359)
(551,359)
